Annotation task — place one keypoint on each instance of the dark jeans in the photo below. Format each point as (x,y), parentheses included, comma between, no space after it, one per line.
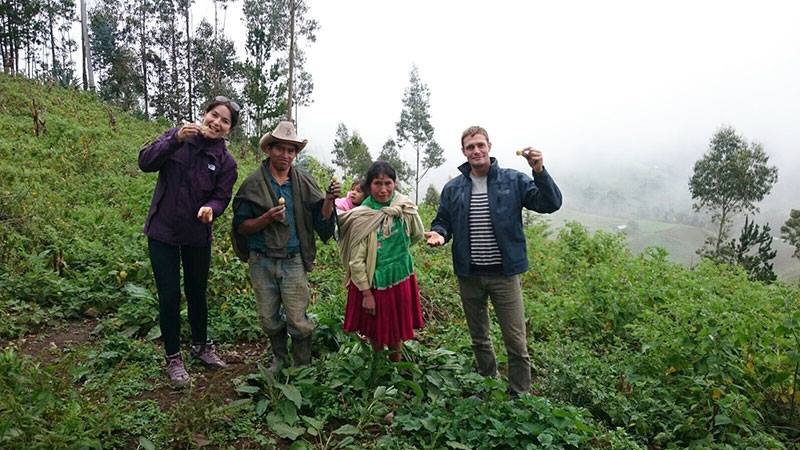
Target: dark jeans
(166,261)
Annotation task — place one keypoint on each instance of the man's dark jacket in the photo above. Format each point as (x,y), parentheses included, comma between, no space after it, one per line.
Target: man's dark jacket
(509,191)
(307,211)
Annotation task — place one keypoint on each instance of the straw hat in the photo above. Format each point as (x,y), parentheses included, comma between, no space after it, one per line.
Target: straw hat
(283,132)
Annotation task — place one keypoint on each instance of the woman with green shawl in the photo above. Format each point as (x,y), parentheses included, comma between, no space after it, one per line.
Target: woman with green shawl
(382,292)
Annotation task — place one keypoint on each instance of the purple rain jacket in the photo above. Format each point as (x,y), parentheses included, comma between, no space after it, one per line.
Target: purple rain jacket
(197,172)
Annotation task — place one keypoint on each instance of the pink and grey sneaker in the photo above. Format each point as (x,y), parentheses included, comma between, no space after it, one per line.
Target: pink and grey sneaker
(207,354)
(178,377)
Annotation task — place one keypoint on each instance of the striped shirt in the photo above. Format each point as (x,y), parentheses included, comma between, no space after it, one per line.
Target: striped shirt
(482,242)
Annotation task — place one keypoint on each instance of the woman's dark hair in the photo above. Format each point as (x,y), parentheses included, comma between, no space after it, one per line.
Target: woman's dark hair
(377,168)
(232,106)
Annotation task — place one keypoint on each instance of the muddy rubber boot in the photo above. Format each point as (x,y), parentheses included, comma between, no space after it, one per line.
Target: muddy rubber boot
(301,351)
(280,352)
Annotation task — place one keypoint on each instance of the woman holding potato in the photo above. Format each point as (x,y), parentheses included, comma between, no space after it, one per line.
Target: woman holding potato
(195,179)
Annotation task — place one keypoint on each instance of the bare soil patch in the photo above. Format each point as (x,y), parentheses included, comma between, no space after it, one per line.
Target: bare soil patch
(211,385)
(48,344)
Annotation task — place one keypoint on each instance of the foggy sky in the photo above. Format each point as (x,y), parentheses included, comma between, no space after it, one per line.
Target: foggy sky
(597,85)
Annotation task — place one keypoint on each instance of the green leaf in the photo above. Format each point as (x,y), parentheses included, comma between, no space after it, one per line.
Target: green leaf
(130,331)
(300,445)
(292,393)
(146,444)
(136,291)
(345,442)
(261,406)
(414,386)
(346,430)
(545,438)
(313,422)
(153,334)
(380,391)
(458,445)
(247,389)
(285,431)
(722,419)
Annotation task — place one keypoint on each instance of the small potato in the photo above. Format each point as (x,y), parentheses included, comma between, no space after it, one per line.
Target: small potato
(520,152)
(281,201)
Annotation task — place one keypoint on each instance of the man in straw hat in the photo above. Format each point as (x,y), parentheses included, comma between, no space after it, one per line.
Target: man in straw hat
(276,211)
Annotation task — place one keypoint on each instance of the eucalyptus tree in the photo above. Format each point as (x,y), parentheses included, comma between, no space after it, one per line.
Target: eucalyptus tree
(351,153)
(59,16)
(729,179)
(215,65)
(274,70)
(113,40)
(415,129)
(169,97)
(389,153)
(264,86)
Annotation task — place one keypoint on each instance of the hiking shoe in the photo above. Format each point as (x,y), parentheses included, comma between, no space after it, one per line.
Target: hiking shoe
(207,354)
(178,377)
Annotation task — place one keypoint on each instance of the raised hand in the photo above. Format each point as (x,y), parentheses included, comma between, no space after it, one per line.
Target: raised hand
(534,157)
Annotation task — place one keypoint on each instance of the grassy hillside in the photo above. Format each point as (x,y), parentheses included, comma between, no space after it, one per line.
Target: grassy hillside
(628,351)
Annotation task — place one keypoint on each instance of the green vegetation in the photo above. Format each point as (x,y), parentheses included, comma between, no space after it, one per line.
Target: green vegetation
(629,352)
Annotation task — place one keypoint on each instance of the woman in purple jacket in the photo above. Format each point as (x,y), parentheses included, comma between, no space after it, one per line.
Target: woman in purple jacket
(195,178)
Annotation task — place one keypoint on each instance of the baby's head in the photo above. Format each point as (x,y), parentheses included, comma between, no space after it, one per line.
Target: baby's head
(356,193)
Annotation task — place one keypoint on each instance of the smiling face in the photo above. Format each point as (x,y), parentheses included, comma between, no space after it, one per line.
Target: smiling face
(218,121)
(281,155)
(476,149)
(381,188)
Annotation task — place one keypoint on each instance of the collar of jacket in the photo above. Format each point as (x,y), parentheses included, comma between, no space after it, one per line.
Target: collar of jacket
(466,168)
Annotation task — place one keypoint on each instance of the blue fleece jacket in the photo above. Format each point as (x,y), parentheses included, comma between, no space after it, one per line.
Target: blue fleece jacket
(509,192)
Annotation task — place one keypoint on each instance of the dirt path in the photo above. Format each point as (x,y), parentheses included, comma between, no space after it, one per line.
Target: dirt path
(213,385)
(47,345)
(50,344)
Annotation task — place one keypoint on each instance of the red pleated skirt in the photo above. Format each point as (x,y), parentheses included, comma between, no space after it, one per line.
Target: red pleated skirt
(397,312)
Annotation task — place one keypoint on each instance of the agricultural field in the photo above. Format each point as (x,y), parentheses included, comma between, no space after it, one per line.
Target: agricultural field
(630,350)
(680,241)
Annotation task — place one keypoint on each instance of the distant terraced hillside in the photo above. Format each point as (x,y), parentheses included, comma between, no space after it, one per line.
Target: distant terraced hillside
(681,241)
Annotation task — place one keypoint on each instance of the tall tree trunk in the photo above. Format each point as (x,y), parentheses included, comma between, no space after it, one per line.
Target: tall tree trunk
(87,49)
(291,62)
(176,91)
(52,45)
(143,39)
(15,53)
(722,219)
(4,42)
(190,103)
(416,177)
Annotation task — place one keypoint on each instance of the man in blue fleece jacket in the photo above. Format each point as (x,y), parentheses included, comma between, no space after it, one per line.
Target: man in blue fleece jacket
(481,211)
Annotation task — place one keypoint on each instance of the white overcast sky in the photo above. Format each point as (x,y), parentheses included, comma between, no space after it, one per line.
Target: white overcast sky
(587,82)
